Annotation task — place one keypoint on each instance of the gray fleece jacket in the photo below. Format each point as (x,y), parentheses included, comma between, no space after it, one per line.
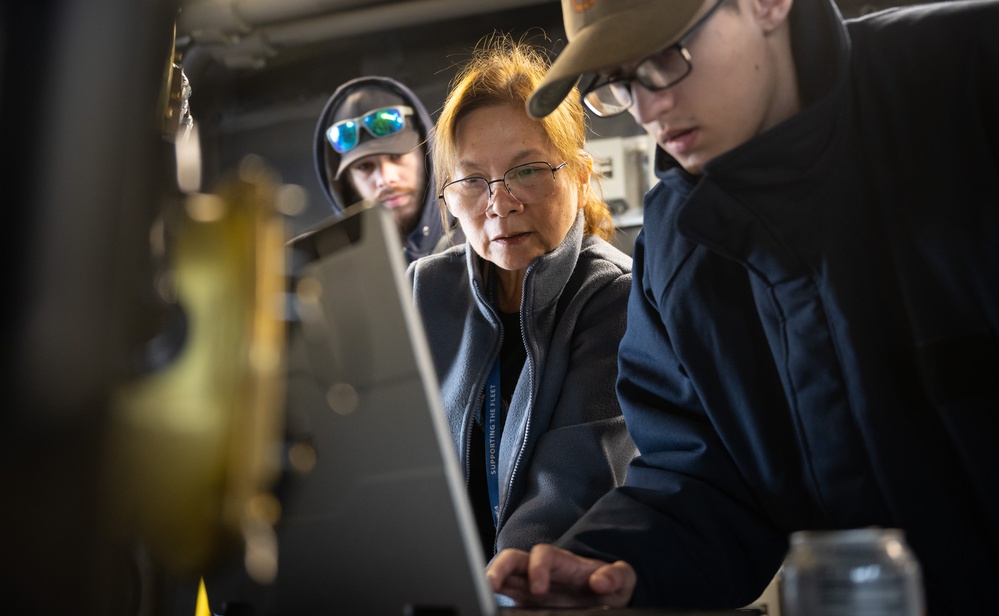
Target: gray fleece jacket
(564,443)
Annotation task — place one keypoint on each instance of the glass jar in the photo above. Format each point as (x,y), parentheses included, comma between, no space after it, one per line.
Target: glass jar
(862,572)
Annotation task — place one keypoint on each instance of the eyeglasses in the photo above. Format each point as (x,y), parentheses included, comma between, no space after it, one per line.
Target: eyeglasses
(608,97)
(384,122)
(527,183)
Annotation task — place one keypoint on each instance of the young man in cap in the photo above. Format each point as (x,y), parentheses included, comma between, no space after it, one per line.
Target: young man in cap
(812,333)
(370,143)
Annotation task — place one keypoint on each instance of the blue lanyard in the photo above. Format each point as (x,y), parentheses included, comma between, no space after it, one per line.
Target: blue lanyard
(492,429)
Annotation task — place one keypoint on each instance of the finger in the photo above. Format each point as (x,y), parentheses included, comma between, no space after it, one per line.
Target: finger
(508,563)
(539,566)
(614,583)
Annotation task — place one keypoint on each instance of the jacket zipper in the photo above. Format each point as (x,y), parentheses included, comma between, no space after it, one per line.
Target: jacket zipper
(530,406)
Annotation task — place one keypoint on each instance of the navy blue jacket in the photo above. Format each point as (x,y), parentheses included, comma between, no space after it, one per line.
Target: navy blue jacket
(811,337)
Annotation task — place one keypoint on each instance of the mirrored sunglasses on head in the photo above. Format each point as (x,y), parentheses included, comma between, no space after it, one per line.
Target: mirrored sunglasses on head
(384,122)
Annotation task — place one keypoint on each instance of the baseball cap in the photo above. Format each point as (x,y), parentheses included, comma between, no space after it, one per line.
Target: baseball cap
(359,103)
(606,33)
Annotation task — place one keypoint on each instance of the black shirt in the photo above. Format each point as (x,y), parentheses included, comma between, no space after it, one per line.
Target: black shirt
(512,358)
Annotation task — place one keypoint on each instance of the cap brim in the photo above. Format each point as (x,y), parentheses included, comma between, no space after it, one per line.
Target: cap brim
(401,143)
(616,39)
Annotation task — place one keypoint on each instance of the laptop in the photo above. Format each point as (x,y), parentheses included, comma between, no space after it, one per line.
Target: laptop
(380,523)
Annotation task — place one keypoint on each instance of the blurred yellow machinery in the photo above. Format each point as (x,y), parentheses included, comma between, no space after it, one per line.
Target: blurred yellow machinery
(194,447)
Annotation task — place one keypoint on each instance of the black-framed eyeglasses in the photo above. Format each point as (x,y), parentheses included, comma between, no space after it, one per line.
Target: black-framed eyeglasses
(527,183)
(609,96)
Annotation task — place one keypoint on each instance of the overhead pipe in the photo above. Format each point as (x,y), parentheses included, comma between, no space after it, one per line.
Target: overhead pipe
(384,17)
(244,15)
(243,43)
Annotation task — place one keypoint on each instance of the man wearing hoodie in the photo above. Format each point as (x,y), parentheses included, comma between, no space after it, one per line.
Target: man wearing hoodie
(370,143)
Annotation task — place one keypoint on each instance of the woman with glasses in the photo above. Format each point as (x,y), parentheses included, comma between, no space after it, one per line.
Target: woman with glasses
(524,319)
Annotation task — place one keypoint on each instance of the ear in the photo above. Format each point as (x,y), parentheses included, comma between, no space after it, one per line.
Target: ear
(772,14)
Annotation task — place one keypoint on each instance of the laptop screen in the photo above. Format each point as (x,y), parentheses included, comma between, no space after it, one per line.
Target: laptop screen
(380,524)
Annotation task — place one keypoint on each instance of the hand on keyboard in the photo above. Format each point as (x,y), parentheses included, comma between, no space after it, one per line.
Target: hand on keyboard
(553,577)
